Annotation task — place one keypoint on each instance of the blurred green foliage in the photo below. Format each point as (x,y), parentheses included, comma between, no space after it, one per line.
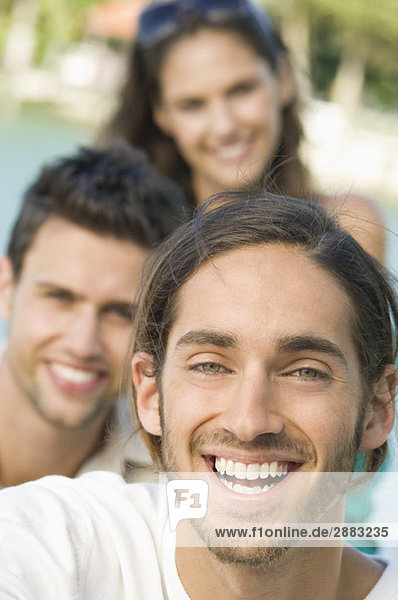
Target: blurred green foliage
(4,19)
(368,26)
(60,22)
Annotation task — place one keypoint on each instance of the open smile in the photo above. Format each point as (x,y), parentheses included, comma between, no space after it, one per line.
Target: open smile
(75,379)
(251,477)
(233,152)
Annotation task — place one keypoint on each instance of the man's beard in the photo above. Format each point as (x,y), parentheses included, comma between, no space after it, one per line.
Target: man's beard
(341,459)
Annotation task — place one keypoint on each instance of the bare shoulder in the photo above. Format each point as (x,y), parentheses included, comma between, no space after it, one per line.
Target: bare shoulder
(363,218)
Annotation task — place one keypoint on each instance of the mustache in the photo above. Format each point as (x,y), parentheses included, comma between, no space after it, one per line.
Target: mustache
(266,441)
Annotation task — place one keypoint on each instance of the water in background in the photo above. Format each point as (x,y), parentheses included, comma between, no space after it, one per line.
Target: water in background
(32,136)
(28,138)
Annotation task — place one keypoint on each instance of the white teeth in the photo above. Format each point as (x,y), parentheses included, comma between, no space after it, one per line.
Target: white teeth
(240,470)
(72,375)
(221,465)
(251,471)
(232,152)
(230,467)
(244,489)
(238,488)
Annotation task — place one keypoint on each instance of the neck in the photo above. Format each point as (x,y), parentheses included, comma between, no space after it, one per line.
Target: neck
(204,188)
(299,572)
(302,573)
(31,447)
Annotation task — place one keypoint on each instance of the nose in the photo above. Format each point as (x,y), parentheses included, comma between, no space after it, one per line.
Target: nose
(254,409)
(221,119)
(83,337)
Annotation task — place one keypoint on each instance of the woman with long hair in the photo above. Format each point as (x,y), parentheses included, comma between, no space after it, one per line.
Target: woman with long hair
(210,96)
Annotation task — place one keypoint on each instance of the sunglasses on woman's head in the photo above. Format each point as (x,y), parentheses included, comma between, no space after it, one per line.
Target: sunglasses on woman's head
(161,19)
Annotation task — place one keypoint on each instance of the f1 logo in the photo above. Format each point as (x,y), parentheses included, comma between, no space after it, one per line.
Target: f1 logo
(187,499)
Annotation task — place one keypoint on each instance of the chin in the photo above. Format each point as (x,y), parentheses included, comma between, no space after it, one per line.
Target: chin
(245,554)
(256,558)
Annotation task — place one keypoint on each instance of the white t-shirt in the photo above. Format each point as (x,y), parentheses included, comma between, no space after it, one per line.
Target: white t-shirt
(124,452)
(94,538)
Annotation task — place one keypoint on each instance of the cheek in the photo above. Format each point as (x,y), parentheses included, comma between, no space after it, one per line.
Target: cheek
(268,119)
(36,325)
(257,113)
(185,129)
(189,406)
(29,336)
(187,134)
(334,429)
(261,109)
(323,419)
(116,345)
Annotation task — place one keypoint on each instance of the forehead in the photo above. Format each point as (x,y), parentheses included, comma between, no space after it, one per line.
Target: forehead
(70,256)
(262,294)
(210,53)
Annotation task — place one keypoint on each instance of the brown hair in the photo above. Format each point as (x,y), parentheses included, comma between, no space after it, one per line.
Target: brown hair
(240,219)
(133,119)
(113,192)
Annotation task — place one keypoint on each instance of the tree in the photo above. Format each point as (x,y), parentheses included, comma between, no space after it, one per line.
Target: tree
(362,37)
(57,22)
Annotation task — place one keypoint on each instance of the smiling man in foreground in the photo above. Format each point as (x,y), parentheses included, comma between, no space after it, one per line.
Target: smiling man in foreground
(265,341)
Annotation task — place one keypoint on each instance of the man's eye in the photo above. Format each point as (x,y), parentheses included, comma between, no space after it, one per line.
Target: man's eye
(208,368)
(211,368)
(125,312)
(308,373)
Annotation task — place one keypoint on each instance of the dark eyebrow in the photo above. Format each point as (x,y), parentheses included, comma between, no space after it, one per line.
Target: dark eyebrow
(310,342)
(245,80)
(204,336)
(50,286)
(54,286)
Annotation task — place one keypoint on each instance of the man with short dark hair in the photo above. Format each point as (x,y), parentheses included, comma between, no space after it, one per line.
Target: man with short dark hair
(263,360)
(67,285)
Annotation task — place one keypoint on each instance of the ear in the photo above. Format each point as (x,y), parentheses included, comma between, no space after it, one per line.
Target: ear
(147,392)
(6,287)
(379,420)
(286,82)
